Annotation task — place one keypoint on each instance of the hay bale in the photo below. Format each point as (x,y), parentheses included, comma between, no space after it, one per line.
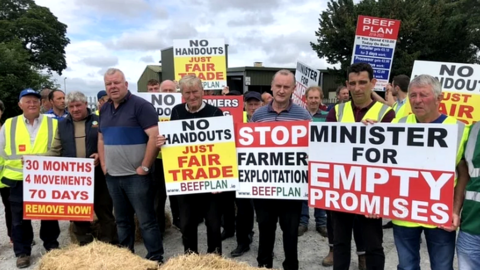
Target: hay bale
(204,262)
(96,255)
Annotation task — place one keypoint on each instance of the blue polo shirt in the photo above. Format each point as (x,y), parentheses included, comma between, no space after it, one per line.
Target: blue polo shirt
(51,113)
(123,130)
(292,113)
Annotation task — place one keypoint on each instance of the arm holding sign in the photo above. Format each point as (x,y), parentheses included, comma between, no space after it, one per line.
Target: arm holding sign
(56,149)
(459,195)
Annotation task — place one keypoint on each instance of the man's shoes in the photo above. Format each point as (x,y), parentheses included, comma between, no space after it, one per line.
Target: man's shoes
(328,260)
(226,234)
(388,225)
(362,262)
(322,230)
(23,261)
(302,229)
(239,251)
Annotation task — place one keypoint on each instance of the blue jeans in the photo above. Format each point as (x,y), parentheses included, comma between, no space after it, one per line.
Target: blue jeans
(468,251)
(320,216)
(135,194)
(440,244)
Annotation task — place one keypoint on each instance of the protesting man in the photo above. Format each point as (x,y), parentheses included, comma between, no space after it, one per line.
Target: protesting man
(77,136)
(266,97)
(360,84)
(57,99)
(168,86)
(202,205)
(342,96)
(425,96)
(28,134)
(245,211)
(126,146)
(268,211)
(45,103)
(468,243)
(153,86)
(102,98)
(313,96)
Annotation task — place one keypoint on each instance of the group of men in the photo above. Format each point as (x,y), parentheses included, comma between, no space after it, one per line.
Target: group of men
(125,143)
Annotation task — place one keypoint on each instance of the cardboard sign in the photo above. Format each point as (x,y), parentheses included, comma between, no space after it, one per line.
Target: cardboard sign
(200,155)
(163,103)
(460,85)
(305,77)
(204,58)
(272,160)
(375,41)
(230,105)
(397,171)
(58,188)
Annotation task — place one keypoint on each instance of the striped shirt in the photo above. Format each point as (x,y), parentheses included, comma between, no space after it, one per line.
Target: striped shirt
(292,113)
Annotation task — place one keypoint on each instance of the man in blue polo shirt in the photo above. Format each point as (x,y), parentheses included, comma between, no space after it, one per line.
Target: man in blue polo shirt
(126,146)
(57,99)
(269,211)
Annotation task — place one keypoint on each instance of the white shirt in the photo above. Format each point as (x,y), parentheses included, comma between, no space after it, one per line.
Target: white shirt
(201,107)
(32,132)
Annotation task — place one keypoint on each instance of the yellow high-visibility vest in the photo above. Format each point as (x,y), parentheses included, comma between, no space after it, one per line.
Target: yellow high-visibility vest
(2,163)
(97,112)
(463,131)
(405,110)
(344,112)
(245,117)
(17,143)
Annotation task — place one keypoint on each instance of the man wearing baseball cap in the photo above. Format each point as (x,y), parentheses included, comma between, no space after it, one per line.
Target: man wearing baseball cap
(253,101)
(102,98)
(28,134)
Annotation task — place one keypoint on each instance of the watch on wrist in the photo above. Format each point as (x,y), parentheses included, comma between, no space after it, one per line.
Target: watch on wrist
(145,169)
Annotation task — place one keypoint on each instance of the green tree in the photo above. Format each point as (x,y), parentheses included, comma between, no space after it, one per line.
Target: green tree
(32,46)
(444,30)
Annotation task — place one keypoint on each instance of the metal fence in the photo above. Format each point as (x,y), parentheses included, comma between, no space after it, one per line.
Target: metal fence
(92,103)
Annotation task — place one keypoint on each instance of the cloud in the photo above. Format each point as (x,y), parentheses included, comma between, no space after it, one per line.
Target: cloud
(252,18)
(146,59)
(130,8)
(101,61)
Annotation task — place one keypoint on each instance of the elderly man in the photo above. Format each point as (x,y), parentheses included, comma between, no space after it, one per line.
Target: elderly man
(425,96)
(204,205)
(468,243)
(168,86)
(269,211)
(360,84)
(28,134)
(126,146)
(83,125)
(343,95)
(57,99)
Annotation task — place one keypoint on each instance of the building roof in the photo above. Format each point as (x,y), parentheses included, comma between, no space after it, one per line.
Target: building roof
(156,68)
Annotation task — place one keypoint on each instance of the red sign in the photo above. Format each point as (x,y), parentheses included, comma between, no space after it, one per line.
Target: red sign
(230,105)
(377,27)
(270,134)
(421,196)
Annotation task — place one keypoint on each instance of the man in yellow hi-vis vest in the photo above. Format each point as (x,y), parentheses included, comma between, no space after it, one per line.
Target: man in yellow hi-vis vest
(425,96)
(28,134)
(361,108)
(102,97)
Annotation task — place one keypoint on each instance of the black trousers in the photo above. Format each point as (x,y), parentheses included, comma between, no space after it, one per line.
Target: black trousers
(5,193)
(371,229)
(228,211)
(22,231)
(245,219)
(103,206)
(160,194)
(288,212)
(193,207)
(357,233)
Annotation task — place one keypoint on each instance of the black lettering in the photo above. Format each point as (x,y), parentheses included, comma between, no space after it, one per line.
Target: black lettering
(389,155)
(319,135)
(396,133)
(438,135)
(188,125)
(376,156)
(348,132)
(414,133)
(378,137)
(262,159)
(289,159)
(357,151)
(302,157)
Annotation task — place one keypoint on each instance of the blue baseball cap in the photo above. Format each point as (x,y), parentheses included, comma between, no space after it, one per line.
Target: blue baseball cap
(29,92)
(101,94)
(252,95)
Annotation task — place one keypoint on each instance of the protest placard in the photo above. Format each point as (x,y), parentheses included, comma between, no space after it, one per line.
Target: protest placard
(58,188)
(204,58)
(200,155)
(460,85)
(305,77)
(397,171)
(230,105)
(375,40)
(272,160)
(163,103)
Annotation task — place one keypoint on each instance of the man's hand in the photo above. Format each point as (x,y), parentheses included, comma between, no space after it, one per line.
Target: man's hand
(160,141)
(140,171)
(454,226)
(104,169)
(369,121)
(96,159)
(225,90)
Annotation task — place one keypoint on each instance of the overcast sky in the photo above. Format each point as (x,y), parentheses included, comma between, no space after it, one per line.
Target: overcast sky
(129,34)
